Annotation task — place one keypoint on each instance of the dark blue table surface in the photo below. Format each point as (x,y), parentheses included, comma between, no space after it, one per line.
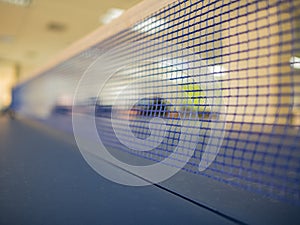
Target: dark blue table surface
(44,180)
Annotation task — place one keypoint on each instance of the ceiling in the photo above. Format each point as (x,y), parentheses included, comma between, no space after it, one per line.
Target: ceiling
(26,42)
(29,36)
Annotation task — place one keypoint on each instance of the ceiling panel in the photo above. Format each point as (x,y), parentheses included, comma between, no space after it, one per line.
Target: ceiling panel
(26,40)
(11,18)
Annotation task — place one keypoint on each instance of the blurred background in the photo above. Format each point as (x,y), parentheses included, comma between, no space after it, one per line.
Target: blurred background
(34,31)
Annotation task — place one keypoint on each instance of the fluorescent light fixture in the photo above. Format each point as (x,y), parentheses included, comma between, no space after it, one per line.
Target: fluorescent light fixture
(295,62)
(110,15)
(23,3)
(218,70)
(151,25)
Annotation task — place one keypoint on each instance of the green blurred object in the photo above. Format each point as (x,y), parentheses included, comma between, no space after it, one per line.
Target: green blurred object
(196,98)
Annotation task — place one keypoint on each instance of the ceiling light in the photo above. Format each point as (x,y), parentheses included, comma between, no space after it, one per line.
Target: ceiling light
(23,3)
(218,70)
(295,62)
(151,25)
(110,15)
